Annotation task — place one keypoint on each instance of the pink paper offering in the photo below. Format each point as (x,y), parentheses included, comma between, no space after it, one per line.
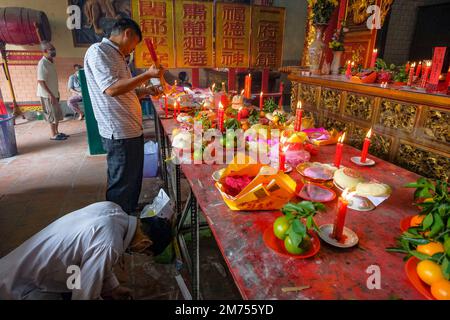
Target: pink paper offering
(318,173)
(317,134)
(316,193)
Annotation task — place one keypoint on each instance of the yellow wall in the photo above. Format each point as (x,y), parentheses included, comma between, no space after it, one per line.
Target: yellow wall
(56,13)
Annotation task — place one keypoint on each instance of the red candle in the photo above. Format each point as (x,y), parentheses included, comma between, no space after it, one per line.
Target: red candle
(282,159)
(239,116)
(419,69)
(261,102)
(338,228)
(411,74)
(348,73)
(366,146)
(220,117)
(374,58)
(407,67)
(280,102)
(166,105)
(248,93)
(339,150)
(224,88)
(426,73)
(298,117)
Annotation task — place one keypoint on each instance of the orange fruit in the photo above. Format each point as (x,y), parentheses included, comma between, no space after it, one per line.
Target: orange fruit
(430,248)
(429,272)
(441,290)
(416,220)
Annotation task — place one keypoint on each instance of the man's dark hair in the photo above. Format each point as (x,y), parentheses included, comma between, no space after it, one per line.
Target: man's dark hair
(124,23)
(159,231)
(77,66)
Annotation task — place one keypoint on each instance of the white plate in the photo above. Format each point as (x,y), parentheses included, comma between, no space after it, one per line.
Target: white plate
(357,161)
(326,230)
(360,203)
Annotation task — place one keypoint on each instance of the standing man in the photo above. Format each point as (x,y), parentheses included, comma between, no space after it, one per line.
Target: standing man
(74,87)
(115,99)
(48,91)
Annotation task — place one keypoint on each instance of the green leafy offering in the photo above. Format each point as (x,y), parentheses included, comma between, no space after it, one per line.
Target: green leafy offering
(270,105)
(253,117)
(434,201)
(232,124)
(300,217)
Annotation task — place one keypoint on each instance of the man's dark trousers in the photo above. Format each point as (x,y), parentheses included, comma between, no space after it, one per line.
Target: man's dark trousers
(125,171)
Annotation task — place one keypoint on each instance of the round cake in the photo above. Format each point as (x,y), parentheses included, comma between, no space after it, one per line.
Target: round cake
(347,178)
(373,189)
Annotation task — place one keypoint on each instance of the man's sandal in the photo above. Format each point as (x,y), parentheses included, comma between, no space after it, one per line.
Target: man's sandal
(58,138)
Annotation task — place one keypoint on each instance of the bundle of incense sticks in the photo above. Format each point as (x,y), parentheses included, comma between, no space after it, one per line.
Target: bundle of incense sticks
(151,49)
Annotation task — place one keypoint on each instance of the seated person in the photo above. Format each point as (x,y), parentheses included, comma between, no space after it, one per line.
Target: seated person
(183,80)
(91,239)
(75,90)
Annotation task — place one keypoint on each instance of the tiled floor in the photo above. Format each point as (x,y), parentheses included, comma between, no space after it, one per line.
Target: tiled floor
(51,178)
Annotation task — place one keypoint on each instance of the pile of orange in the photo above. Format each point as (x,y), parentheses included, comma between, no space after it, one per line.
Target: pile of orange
(430,273)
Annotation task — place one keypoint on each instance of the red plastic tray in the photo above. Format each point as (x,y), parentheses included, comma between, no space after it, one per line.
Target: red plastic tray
(405,224)
(422,287)
(277,245)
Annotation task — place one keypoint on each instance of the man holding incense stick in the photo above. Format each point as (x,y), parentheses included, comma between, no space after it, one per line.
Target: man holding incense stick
(115,99)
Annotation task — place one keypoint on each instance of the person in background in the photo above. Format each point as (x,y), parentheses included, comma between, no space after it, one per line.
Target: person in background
(183,80)
(91,239)
(74,87)
(47,90)
(115,100)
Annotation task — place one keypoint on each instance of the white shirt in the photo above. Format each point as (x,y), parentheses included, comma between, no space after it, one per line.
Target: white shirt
(46,71)
(91,238)
(118,117)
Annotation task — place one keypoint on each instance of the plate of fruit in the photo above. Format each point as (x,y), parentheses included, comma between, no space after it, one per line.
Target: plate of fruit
(426,276)
(293,235)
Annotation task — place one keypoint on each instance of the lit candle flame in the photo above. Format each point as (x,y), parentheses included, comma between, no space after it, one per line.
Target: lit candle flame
(375,50)
(299,105)
(262,93)
(369,134)
(242,92)
(285,149)
(413,65)
(428,63)
(353,63)
(220,105)
(342,138)
(213,86)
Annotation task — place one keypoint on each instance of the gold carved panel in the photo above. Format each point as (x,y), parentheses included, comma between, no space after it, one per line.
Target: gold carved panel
(330,123)
(308,94)
(330,100)
(359,106)
(437,125)
(397,115)
(294,95)
(423,162)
